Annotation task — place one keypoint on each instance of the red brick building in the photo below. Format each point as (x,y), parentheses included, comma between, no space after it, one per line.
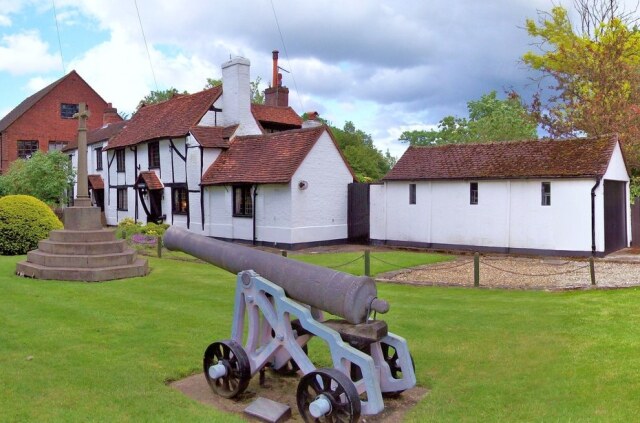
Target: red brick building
(44,121)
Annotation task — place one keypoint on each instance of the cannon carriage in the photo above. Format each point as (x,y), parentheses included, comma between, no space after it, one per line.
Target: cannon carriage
(283,303)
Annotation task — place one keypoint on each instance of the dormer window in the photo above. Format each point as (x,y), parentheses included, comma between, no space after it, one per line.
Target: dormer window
(67,110)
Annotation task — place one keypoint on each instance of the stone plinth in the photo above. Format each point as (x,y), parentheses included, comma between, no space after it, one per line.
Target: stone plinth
(82,251)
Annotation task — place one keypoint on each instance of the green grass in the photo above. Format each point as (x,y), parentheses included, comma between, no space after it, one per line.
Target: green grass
(380,262)
(78,352)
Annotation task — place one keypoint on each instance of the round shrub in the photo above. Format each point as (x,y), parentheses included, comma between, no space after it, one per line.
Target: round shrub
(24,220)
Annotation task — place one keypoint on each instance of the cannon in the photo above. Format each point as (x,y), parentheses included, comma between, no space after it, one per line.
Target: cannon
(284,302)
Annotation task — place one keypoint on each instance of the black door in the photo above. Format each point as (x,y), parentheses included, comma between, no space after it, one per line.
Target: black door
(98,195)
(615,216)
(155,206)
(358,212)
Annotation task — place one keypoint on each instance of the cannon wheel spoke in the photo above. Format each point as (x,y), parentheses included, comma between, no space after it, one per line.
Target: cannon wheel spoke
(390,355)
(334,386)
(236,362)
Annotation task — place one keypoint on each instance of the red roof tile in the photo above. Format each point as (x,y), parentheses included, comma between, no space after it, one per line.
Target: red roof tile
(171,118)
(271,158)
(282,115)
(213,136)
(96,182)
(99,135)
(580,157)
(150,179)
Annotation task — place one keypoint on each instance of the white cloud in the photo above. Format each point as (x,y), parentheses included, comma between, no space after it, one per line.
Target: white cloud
(5,20)
(37,83)
(25,53)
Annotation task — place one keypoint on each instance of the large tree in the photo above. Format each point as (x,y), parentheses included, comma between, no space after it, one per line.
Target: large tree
(490,119)
(590,73)
(45,176)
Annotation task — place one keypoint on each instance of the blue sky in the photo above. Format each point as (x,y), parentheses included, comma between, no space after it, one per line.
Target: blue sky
(386,66)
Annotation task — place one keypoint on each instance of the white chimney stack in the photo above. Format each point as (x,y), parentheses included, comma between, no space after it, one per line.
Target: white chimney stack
(236,95)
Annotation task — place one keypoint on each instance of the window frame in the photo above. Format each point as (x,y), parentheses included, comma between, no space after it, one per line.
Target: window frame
(243,208)
(412,194)
(177,200)
(474,193)
(152,157)
(67,108)
(122,198)
(57,143)
(25,153)
(545,199)
(98,151)
(121,162)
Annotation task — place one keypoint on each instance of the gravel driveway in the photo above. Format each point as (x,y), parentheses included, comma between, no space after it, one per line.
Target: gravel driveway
(524,273)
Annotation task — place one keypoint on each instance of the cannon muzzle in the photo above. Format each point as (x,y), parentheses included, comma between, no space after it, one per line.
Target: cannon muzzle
(344,295)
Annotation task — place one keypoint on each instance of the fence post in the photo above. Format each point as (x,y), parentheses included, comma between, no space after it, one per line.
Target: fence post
(592,269)
(159,246)
(367,263)
(283,253)
(476,269)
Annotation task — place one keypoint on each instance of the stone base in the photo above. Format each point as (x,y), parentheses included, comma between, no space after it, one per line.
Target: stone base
(82,218)
(82,255)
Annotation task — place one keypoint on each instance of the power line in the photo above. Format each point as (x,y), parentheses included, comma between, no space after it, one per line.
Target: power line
(275,15)
(55,15)
(145,45)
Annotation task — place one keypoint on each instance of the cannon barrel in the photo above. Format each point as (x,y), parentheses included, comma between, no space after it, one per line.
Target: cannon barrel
(344,295)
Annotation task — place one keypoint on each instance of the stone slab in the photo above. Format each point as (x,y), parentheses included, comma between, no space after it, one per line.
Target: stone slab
(82,218)
(268,410)
(100,235)
(81,260)
(80,248)
(138,268)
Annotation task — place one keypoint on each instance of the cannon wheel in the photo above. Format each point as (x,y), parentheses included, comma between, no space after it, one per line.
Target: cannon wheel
(236,362)
(290,368)
(334,386)
(390,355)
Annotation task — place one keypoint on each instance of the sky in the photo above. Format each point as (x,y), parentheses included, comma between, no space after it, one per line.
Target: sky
(387,66)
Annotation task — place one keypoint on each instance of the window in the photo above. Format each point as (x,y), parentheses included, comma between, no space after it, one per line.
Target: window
(180,200)
(57,145)
(242,201)
(154,154)
(473,193)
(412,193)
(27,148)
(99,158)
(546,193)
(67,110)
(122,199)
(120,160)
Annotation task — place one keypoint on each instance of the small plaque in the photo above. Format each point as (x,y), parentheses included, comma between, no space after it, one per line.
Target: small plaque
(268,411)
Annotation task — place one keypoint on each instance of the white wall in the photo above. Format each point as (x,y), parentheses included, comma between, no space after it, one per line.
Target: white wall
(319,213)
(236,96)
(509,214)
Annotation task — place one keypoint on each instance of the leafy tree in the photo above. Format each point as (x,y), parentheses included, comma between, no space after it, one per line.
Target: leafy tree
(257,96)
(490,119)
(45,176)
(159,96)
(211,82)
(595,74)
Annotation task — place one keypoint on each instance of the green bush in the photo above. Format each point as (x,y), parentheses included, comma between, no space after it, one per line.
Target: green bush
(24,220)
(128,227)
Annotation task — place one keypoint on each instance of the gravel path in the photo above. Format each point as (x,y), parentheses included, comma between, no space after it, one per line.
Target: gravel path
(521,273)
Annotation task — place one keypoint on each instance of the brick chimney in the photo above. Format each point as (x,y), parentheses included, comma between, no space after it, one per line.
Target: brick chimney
(110,115)
(312,120)
(276,95)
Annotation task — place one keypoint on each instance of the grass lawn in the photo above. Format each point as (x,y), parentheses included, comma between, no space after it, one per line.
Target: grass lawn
(78,352)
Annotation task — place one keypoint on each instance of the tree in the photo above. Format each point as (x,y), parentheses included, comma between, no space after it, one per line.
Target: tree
(257,96)
(490,119)
(45,176)
(367,162)
(211,82)
(159,96)
(594,70)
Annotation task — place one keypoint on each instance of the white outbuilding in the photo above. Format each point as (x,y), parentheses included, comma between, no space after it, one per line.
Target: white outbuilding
(567,197)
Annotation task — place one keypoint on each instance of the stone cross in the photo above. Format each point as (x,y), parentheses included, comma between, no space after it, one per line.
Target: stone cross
(82,195)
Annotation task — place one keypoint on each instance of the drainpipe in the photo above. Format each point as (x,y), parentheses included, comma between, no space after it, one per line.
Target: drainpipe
(593,216)
(255,193)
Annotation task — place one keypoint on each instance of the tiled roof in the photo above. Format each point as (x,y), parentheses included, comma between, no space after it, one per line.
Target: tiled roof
(150,179)
(98,135)
(580,157)
(96,182)
(271,158)
(282,115)
(213,136)
(30,101)
(171,118)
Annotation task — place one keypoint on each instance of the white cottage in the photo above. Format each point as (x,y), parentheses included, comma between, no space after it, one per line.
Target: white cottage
(153,168)
(543,197)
